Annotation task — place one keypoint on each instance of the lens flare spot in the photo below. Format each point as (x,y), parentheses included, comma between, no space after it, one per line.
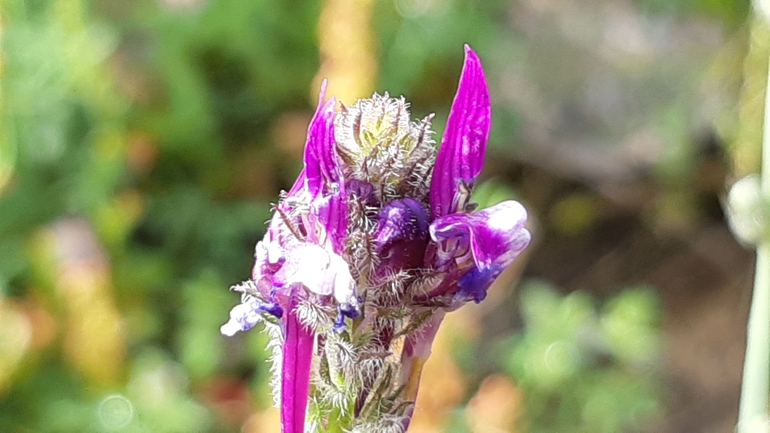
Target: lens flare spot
(116,412)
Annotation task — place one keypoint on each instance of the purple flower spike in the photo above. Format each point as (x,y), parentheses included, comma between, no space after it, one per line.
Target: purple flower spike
(375,242)
(461,155)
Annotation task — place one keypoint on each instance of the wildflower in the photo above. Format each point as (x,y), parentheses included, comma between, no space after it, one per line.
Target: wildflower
(373,244)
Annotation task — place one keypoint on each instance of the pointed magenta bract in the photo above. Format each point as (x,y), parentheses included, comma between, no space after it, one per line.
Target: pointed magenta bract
(463,147)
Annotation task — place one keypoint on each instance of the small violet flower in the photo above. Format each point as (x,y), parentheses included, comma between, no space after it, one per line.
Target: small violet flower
(373,244)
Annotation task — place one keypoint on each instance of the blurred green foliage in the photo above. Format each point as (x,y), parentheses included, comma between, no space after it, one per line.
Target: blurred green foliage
(584,369)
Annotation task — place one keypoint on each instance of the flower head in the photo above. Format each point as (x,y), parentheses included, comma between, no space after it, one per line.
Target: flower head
(375,241)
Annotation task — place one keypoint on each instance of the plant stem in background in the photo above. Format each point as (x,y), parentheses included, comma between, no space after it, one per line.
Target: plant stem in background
(756,378)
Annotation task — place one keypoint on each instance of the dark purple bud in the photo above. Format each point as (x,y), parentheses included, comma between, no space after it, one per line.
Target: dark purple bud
(402,233)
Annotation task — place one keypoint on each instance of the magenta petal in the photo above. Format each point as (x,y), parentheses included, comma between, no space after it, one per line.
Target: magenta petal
(495,235)
(461,155)
(295,372)
(333,216)
(321,162)
(324,174)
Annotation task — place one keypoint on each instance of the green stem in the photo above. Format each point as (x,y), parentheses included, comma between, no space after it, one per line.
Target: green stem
(756,370)
(335,422)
